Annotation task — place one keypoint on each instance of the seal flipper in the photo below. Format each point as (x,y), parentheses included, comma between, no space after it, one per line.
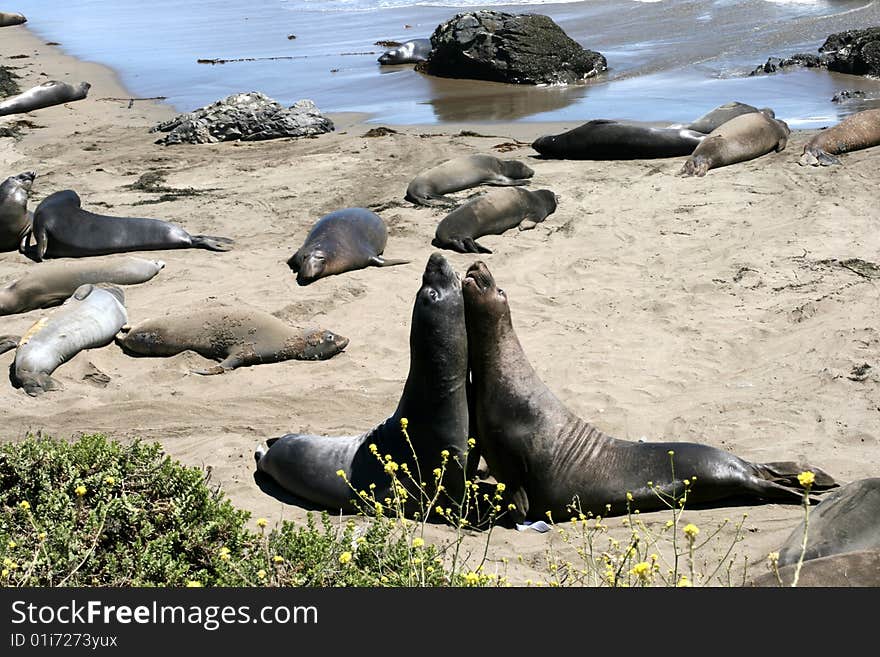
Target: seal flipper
(8,342)
(473,246)
(226,365)
(826,159)
(786,472)
(379,261)
(36,383)
(211,243)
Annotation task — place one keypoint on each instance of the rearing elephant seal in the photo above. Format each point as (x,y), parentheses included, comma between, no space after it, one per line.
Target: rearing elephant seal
(49,284)
(15,220)
(547,456)
(409,52)
(430,186)
(47,94)
(857,131)
(603,139)
(62,229)
(723,113)
(492,214)
(344,240)
(8,19)
(742,138)
(434,402)
(88,319)
(235,337)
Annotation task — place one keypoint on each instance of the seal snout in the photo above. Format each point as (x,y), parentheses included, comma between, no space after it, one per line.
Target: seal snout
(478,276)
(438,269)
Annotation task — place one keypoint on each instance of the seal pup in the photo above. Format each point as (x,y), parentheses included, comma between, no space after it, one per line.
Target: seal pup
(409,52)
(15,220)
(236,337)
(53,92)
(604,139)
(431,185)
(62,229)
(90,318)
(723,113)
(742,138)
(343,240)
(857,131)
(49,284)
(8,19)
(434,403)
(492,214)
(550,460)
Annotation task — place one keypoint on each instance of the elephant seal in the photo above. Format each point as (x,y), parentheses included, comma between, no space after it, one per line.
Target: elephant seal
(550,460)
(603,139)
(743,138)
(430,186)
(233,336)
(857,131)
(53,92)
(8,19)
(90,318)
(846,520)
(62,229)
(434,403)
(409,52)
(723,113)
(850,569)
(49,284)
(15,220)
(491,214)
(343,240)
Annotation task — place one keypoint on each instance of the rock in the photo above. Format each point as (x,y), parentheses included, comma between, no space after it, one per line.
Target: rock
(846,94)
(248,117)
(774,64)
(854,51)
(512,48)
(8,85)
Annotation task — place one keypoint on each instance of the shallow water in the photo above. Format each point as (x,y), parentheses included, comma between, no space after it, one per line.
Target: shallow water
(669,60)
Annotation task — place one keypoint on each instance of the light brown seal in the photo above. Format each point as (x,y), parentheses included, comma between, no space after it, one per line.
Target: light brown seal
(53,92)
(8,19)
(457,174)
(857,131)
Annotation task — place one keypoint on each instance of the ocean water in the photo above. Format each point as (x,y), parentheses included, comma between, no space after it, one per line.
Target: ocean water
(669,60)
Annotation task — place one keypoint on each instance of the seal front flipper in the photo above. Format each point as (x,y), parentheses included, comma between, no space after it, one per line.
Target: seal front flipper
(226,365)
(37,383)
(379,261)
(8,342)
(817,157)
(472,246)
(212,243)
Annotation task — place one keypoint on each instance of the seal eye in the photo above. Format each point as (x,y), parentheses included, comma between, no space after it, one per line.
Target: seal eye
(433,293)
(329,337)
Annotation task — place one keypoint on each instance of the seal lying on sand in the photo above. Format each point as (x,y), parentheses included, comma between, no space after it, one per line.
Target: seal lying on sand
(344,240)
(50,284)
(409,52)
(492,214)
(47,94)
(434,403)
(857,131)
(550,460)
(233,336)
(88,319)
(603,139)
(429,187)
(8,19)
(62,229)
(742,138)
(723,113)
(15,220)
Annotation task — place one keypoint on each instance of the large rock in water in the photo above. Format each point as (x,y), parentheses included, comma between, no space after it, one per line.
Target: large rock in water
(512,48)
(248,117)
(855,51)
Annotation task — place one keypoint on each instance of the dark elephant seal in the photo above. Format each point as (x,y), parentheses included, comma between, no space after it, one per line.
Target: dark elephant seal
(723,113)
(62,229)
(857,131)
(492,214)
(849,569)
(47,94)
(550,460)
(49,284)
(8,19)
(233,336)
(602,139)
(743,138)
(430,186)
(434,402)
(409,52)
(15,220)
(846,520)
(343,240)
(90,318)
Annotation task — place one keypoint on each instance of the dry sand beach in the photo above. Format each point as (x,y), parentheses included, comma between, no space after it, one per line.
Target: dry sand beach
(714,310)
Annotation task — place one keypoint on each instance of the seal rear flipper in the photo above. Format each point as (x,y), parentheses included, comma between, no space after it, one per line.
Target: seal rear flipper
(211,243)
(8,342)
(826,159)
(473,246)
(786,473)
(37,383)
(379,261)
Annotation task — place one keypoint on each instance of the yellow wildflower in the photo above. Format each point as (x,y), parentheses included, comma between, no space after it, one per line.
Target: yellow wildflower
(691,530)
(684,582)
(11,544)
(262,522)
(340,473)
(109,480)
(445,454)
(629,497)
(499,487)
(24,505)
(472,579)
(345,557)
(806,479)
(373,448)
(193,584)
(80,490)
(642,570)
(278,558)
(472,443)
(437,473)
(224,553)
(5,572)
(42,536)
(418,542)
(261,574)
